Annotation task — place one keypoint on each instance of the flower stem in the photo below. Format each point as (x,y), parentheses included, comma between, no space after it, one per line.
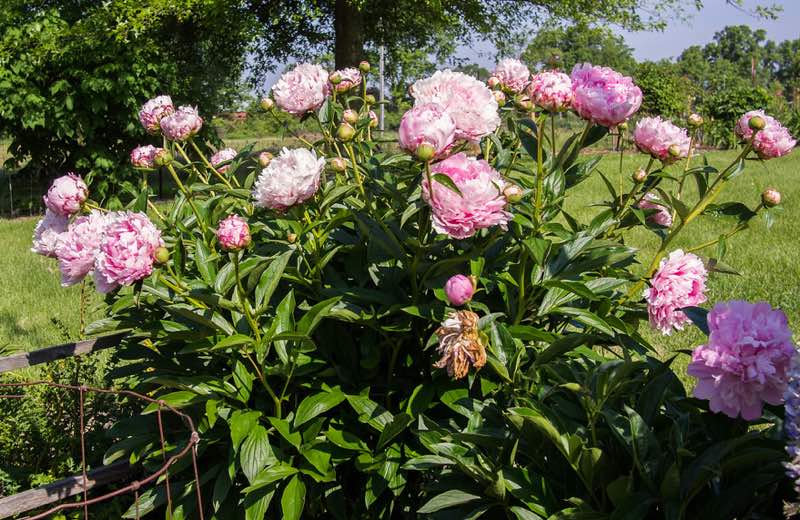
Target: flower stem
(190,163)
(188,196)
(243,299)
(356,173)
(539,170)
(211,167)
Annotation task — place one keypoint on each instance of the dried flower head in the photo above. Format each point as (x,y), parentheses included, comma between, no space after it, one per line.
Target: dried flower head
(459,344)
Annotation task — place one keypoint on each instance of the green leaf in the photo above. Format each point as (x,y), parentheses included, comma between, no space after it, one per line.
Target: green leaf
(204,262)
(269,475)
(699,317)
(270,279)
(255,453)
(316,404)
(561,346)
(447,182)
(293,499)
(240,424)
(311,319)
(256,504)
(370,412)
(451,498)
(285,431)
(398,424)
(233,341)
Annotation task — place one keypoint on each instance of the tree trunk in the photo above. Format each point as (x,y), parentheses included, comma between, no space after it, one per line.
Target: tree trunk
(349,25)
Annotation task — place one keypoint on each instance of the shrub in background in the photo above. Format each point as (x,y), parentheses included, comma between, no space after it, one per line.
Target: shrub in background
(363,333)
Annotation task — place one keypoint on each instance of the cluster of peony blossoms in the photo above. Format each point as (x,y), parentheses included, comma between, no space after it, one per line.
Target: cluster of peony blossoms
(603,95)
(117,248)
(746,360)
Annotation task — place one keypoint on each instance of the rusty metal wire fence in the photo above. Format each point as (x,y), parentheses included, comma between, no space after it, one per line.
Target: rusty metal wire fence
(189,450)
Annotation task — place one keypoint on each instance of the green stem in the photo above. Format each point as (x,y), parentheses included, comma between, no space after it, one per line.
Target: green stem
(286,126)
(521,293)
(190,163)
(539,171)
(356,173)
(211,167)
(188,196)
(243,299)
(553,132)
(624,207)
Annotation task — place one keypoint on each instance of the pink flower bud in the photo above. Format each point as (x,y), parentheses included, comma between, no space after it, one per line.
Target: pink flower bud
(757,123)
(369,99)
(493,82)
(345,79)
(264,158)
(291,238)
(154,111)
(338,164)
(459,289)
(425,152)
(430,125)
(144,156)
(224,155)
(66,195)
(350,116)
(345,132)
(499,97)
(335,78)
(771,197)
(233,233)
(639,176)
(162,157)
(364,67)
(267,103)
(161,255)
(695,120)
(513,193)
(373,119)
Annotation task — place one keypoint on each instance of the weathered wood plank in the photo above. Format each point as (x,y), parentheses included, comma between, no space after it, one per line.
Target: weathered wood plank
(62,489)
(46,355)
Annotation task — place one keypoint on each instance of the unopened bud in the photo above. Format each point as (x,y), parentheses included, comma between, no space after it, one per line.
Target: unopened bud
(525,104)
(161,255)
(757,123)
(493,82)
(364,67)
(267,103)
(674,150)
(345,132)
(639,176)
(335,78)
(338,164)
(499,97)
(513,193)
(264,158)
(623,126)
(771,197)
(162,157)
(350,116)
(373,119)
(291,238)
(695,120)
(425,152)
(369,99)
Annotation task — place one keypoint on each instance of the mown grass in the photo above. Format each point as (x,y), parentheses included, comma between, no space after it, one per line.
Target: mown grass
(36,311)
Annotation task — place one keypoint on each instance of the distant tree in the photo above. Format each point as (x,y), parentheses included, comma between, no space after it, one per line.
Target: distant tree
(665,91)
(563,47)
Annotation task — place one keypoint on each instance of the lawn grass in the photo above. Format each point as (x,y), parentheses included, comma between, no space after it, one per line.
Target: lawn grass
(36,311)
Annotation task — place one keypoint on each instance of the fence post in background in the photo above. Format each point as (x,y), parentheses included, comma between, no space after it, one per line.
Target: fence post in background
(381,53)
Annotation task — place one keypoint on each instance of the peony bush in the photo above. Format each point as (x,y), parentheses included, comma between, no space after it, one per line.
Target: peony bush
(424,330)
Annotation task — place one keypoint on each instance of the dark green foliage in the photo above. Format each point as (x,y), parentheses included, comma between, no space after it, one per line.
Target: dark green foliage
(665,92)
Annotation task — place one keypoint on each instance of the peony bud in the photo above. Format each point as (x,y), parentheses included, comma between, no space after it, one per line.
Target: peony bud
(695,120)
(459,289)
(513,193)
(622,126)
(264,158)
(674,150)
(291,238)
(350,116)
(771,197)
(425,152)
(161,255)
(346,132)
(757,123)
(369,99)
(639,176)
(267,103)
(338,164)
(525,104)
(364,67)
(493,82)
(335,78)
(233,233)
(499,97)
(373,119)
(162,157)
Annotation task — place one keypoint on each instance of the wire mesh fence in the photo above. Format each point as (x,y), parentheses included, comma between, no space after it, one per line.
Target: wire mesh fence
(22,503)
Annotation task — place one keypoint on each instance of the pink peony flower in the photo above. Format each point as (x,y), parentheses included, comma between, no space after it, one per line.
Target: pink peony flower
(153,111)
(66,195)
(290,178)
(226,154)
(430,124)
(127,251)
(774,140)
(459,289)
(144,156)
(604,96)
(512,74)
(662,216)
(468,101)
(233,233)
(347,79)
(182,125)
(551,90)
(48,233)
(77,250)
(480,205)
(655,136)
(302,89)
(744,364)
(679,282)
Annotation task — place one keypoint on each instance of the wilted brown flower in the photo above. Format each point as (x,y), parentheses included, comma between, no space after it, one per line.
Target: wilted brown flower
(459,344)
